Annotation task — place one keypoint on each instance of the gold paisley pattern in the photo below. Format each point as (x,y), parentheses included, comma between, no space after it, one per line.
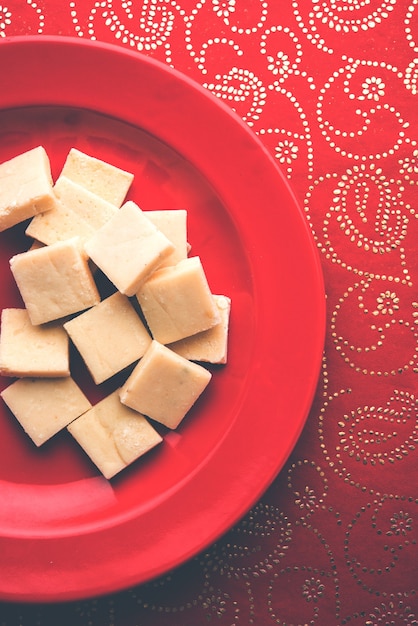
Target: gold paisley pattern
(330,87)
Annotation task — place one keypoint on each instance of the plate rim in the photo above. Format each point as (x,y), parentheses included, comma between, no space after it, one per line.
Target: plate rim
(260,155)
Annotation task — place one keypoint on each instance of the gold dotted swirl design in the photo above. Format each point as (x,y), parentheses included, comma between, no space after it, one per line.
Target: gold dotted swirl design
(283,53)
(229,12)
(373,436)
(7,18)
(200,57)
(302,480)
(310,587)
(168,597)
(239,86)
(411,77)
(369,93)
(353,223)
(342,17)
(238,557)
(409,17)
(392,611)
(146,32)
(383,325)
(288,146)
(408,167)
(377,435)
(391,520)
(313,586)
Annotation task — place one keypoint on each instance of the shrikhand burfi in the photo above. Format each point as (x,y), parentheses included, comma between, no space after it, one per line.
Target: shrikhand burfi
(87,205)
(58,224)
(209,346)
(164,385)
(78,213)
(109,336)
(113,435)
(128,248)
(177,302)
(26,187)
(30,351)
(54,281)
(101,178)
(44,406)
(173,224)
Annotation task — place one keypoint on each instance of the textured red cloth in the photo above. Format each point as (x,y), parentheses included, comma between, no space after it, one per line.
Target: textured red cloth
(330,87)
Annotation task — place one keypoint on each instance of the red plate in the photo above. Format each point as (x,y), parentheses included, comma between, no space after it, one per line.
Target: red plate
(65,532)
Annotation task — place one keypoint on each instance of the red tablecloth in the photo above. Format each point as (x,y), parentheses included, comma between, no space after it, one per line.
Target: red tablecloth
(330,87)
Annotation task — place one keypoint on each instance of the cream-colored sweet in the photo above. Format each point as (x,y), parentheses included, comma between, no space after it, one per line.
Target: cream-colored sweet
(177,302)
(209,346)
(29,351)
(26,187)
(173,224)
(128,248)
(109,336)
(78,213)
(58,224)
(88,205)
(164,385)
(44,406)
(113,436)
(101,178)
(54,281)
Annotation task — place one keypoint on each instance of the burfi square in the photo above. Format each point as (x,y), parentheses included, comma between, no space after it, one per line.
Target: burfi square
(109,336)
(27,350)
(101,178)
(44,406)
(58,224)
(128,248)
(173,224)
(54,281)
(26,187)
(87,205)
(113,436)
(78,213)
(164,385)
(177,301)
(209,346)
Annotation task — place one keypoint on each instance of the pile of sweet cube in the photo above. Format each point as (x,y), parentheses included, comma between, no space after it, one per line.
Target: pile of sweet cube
(161,323)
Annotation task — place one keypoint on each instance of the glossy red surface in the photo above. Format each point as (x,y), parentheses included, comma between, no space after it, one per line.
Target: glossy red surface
(66,532)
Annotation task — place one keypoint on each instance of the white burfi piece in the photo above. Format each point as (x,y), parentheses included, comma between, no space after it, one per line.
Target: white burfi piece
(30,351)
(113,436)
(26,187)
(89,206)
(209,346)
(58,224)
(173,223)
(128,248)
(109,336)
(44,406)
(54,281)
(101,178)
(78,213)
(177,302)
(164,385)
